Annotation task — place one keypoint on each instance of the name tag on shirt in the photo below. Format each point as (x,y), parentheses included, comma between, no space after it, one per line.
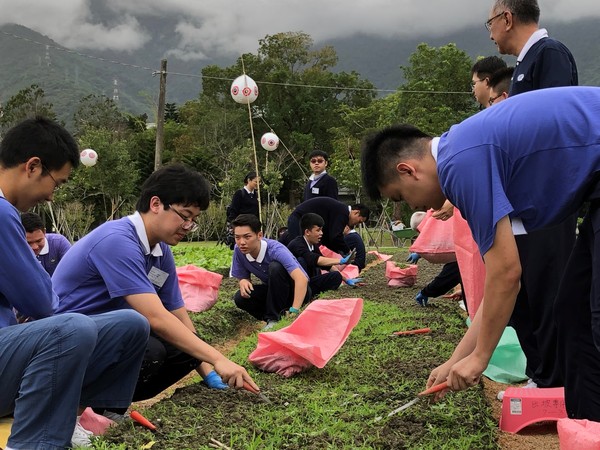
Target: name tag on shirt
(157,277)
(315,190)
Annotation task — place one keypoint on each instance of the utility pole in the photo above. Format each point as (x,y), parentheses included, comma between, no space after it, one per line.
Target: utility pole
(160,119)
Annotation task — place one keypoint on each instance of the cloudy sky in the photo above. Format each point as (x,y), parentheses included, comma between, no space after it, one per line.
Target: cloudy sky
(224,27)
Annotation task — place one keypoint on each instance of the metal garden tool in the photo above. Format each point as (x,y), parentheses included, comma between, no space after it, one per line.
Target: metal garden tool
(431,390)
(262,396)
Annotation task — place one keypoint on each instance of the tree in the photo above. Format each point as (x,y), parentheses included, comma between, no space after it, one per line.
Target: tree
(99,112)
(25,104)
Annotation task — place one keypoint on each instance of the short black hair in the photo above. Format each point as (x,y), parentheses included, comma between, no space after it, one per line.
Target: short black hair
(247,220)
(249,176)
(381,150)
(310,220)
(321,153)
(500,80)
(485,67)
(526,11)
(39,137)
(363,210)
(175,184)
(32,222)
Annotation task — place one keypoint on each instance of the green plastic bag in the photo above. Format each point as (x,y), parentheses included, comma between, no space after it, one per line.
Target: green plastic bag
(507,364)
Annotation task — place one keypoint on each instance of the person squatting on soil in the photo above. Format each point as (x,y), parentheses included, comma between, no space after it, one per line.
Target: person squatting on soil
(355,242)
(128,264)
(532,177)
(284,287)
(52,367)
(306,250)
(336,216)
(320,183)
(542,62)
(49,248)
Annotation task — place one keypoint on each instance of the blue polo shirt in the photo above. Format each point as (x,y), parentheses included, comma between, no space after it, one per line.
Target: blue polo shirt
(534,157)
(113,261)
(270,250)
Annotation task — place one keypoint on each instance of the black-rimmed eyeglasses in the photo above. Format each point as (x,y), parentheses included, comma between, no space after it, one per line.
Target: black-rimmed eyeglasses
(488,24)
(188,224)
(56,183)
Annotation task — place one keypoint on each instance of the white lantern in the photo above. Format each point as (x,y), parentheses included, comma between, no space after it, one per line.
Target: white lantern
(88,157)
(269,141)
(244,90)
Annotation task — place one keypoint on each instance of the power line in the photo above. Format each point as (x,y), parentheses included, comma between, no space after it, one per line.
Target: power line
(158,72)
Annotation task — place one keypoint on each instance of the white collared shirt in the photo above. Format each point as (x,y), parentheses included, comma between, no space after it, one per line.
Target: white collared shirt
(261,253)
(46,249)
(140,229)
(248,190)
(535,37)
(314,177)
(310,246)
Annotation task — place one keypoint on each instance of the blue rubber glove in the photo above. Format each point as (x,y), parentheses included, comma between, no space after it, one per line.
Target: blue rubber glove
(214,381)
(421,299)
(349,258)
(353,281)
(413,258)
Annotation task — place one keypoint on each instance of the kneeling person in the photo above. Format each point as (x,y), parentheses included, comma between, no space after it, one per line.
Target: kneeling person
(306,250)
(284,285)
(127,263)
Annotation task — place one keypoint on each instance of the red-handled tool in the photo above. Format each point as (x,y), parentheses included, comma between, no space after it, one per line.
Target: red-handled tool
(256,391)
(409,332)
(431,390)
(142,420)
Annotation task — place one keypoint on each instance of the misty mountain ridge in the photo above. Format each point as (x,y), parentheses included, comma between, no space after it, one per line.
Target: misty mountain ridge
(66,76)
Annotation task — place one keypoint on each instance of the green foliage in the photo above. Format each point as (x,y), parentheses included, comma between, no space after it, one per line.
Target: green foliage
(210,257)
(98,112)
(27,103)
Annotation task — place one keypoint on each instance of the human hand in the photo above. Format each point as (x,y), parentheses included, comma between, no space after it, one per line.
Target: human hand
(233,374)
(421,299)
(413,258)
(445,212)
(349,258)
(292,312)
(466,372)
(456,295)
(246,288)
(437,376)
(214,381)
(354,282)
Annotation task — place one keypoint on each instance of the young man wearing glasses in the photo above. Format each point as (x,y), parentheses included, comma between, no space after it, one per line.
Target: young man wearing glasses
(52,366)
(542,62)
(127,263)
(481,72)
(320,183)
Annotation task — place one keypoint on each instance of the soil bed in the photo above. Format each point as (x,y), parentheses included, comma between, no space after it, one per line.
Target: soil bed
(337,406)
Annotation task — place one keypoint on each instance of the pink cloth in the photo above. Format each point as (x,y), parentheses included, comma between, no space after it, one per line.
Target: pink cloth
(575,434)
(380,256)
(347,270)
(435,242)
(93,422)
(470,263)
(398,277)
(199,287)
(312,339)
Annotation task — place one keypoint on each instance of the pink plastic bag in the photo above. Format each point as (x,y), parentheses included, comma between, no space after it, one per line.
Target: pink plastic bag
(380,256)
(347,270)
(312,339)
(435,242)
(199,287)
(470,263)
(398,277)
(575,434)
(93,422)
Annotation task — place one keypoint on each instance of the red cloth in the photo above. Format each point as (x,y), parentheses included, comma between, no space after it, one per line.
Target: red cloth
(575,434)
(312,339)
(380,256)
(199,287)
(398,277)
(435,242)
(347,270)
(470,263)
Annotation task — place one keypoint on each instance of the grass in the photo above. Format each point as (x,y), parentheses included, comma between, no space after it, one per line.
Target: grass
(337,406)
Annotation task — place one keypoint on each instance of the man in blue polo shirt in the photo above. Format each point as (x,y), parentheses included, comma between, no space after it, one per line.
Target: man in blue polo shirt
(127,263)
(49,248)
(523,165)
(284,285)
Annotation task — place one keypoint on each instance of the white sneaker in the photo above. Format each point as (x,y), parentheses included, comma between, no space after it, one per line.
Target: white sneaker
(81,436)
(530,385)
(270,324)
(461,305)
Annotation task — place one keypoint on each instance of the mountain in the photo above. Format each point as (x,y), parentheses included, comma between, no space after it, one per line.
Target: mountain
(27,57)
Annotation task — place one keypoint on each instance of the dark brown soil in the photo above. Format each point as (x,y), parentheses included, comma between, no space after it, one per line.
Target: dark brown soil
(178,416)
